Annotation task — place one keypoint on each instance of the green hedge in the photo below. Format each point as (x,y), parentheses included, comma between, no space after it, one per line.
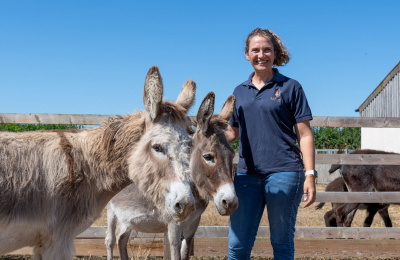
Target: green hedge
(34,127)
(331,138)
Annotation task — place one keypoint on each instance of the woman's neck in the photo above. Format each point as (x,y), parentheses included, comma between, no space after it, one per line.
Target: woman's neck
(260,79)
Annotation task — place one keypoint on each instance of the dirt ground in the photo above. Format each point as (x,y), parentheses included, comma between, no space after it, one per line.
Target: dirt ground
(307,217)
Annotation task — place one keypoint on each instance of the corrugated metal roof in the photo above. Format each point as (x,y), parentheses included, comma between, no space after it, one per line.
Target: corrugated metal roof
(379,88)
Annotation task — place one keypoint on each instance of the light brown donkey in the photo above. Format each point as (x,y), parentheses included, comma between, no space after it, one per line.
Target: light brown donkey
(54,184)
(211,169)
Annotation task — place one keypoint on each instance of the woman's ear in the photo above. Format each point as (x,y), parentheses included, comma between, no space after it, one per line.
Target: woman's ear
(247,56)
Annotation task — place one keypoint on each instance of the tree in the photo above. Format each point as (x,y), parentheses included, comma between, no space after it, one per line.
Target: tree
(331,138)
(337,137)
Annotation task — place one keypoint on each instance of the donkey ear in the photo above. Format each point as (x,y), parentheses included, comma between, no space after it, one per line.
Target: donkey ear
(153,92)
(205,112)
(227,108)
(187,95)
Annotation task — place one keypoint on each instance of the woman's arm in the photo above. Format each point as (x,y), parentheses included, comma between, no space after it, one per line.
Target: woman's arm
(232,133)
(306,141)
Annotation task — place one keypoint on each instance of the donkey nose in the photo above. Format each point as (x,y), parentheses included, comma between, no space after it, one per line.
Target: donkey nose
(183,209)
(180,200)
(229,205)
(178,207)
(226,200)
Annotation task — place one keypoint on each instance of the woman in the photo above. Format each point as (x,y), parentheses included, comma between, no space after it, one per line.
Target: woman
(269,106)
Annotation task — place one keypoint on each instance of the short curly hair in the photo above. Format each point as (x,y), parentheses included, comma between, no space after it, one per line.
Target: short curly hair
(282,54)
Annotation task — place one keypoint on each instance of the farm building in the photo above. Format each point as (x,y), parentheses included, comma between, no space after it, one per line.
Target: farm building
(383,102)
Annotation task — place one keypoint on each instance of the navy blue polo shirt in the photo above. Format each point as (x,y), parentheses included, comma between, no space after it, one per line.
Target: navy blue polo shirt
(266,120)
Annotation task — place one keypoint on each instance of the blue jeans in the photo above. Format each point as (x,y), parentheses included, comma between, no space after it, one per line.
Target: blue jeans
(281,192)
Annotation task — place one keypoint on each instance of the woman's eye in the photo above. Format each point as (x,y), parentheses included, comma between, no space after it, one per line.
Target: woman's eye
(158,148)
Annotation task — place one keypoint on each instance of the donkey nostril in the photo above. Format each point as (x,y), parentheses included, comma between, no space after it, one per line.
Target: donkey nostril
(178,207)
(224,203)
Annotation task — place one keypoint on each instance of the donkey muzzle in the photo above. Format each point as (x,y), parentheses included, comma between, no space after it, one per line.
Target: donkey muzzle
(226,200)
(180,201)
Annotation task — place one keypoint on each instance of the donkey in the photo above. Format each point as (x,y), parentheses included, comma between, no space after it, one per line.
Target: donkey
(54,184)
(211,169)
(366,178)
(338,185)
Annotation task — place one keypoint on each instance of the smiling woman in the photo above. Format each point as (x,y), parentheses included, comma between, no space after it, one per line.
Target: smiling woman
(271,166)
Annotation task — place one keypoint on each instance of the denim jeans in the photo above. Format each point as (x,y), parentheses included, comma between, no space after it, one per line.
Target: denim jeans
(281,192)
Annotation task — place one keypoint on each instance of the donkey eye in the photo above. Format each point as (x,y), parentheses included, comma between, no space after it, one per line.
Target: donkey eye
(158,148)
(208,157)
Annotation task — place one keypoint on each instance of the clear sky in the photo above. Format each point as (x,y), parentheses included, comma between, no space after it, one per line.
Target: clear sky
(91,57)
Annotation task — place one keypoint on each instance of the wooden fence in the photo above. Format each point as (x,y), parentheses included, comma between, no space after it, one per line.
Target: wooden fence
(310,241)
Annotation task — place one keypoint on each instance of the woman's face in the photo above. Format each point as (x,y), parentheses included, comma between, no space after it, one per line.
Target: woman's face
(261,53)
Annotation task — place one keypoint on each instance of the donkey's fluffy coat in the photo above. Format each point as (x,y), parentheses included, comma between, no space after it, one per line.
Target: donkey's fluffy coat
(54,184)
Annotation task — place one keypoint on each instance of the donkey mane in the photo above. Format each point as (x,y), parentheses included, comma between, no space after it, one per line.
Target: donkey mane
(115,134)
(370,151)
(216,124)
(335,167)
(120,130)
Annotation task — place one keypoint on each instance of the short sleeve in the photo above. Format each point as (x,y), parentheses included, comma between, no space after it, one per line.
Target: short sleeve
(300,108)
(234,122)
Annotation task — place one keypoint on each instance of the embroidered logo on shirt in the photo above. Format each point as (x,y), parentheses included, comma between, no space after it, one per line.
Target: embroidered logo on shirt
(277,95)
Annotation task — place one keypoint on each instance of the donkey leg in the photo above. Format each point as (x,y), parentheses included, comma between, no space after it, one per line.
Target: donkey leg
(174,237)
(187,242)
(384,213)
(330,218)
(123,239)
(372,209)
(349,218)
(110,234)
(342,212)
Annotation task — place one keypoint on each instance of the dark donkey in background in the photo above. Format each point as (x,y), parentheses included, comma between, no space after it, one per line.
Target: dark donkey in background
(365,178)
(338,185)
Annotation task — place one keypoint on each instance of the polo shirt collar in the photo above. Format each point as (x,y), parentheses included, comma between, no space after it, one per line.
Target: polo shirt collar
(278,77)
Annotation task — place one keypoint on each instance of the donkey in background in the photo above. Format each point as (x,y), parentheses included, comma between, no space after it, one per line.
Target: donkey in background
(54,184)
(338,185)
(366,178)
(211,169)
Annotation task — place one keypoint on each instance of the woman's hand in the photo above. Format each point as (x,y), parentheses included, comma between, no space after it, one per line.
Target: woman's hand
(231,134)
(309,190)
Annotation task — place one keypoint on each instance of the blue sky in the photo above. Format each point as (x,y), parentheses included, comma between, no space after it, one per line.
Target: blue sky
(91,57)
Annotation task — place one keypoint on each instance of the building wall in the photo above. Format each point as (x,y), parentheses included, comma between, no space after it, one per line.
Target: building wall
(385,139)
(384,101)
